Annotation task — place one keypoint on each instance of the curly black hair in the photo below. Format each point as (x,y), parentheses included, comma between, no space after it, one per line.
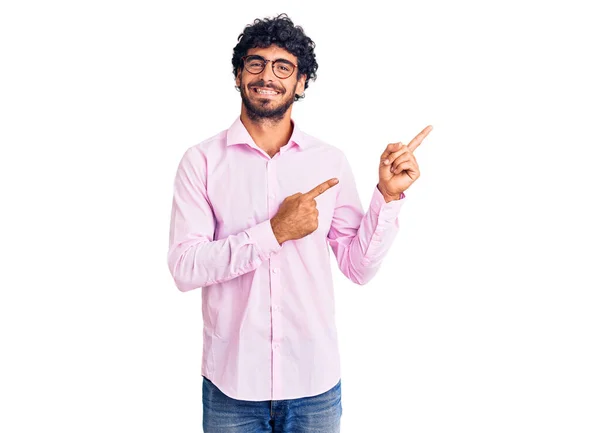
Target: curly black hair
(281,32)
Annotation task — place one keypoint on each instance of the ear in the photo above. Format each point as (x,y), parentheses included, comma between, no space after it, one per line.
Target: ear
(238,78)
(300,84)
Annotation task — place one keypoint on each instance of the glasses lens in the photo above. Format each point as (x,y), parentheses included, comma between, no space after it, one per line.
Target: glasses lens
(254,64)
(283,69)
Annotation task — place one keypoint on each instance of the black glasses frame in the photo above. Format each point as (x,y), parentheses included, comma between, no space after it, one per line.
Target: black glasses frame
(264,63)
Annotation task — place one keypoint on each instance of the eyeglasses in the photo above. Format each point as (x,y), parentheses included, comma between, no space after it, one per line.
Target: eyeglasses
(281,68)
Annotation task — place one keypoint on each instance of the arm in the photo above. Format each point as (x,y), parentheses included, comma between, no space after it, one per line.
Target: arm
(360,240)
(195,259)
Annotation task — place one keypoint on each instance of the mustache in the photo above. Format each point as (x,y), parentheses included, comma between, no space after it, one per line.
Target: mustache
(261,83)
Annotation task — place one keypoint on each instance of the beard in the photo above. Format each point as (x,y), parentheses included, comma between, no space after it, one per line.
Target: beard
(266,109)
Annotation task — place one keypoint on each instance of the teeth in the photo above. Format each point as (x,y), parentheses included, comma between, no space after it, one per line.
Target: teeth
(266,92)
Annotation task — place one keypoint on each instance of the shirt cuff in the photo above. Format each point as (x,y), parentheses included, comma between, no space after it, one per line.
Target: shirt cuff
(387,211)
(262,236)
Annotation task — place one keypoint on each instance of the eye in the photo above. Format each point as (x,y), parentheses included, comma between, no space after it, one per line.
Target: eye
(254,61)
(284,66)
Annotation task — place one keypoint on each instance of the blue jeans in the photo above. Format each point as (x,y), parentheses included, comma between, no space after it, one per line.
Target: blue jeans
(315,414)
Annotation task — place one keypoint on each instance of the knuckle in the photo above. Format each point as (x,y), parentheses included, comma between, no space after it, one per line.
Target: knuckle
(308,203)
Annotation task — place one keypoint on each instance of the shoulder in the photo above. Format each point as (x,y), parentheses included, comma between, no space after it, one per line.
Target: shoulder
(197,155)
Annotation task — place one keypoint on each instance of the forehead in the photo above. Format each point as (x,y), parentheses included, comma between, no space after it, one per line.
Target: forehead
(273,52)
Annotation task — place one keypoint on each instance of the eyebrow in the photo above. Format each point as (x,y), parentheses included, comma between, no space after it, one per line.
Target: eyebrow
(281,59)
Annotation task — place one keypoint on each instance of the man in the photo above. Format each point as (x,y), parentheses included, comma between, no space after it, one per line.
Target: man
(254,209)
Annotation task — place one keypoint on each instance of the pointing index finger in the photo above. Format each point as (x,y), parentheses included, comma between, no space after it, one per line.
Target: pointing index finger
(415,142)
(320,189)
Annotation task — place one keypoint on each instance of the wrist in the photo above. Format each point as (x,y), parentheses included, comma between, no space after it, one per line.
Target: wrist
(388,197)
(277,232)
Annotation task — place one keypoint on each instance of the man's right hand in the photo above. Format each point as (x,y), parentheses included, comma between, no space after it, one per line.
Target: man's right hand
(298,215)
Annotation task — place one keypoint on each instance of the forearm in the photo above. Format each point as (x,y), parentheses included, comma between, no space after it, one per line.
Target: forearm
(201,262)
(360,258)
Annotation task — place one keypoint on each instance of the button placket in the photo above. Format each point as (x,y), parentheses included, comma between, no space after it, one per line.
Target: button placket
(277,329)
(272,187)
(276,275)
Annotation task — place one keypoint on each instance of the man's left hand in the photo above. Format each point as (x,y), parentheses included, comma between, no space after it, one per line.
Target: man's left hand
(398,168)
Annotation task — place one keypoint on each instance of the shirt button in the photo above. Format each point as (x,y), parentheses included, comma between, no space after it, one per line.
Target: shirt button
(275,270)
(272,196)
(276,346)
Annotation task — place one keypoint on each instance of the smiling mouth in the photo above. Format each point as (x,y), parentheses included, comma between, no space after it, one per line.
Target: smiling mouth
(265,91)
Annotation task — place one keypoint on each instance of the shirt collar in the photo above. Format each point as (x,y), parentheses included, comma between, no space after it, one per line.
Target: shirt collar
(238,134)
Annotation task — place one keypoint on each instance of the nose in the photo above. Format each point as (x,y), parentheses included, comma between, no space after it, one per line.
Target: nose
(267,73)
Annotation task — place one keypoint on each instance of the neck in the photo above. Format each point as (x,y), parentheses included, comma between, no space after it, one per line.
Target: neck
(270,135)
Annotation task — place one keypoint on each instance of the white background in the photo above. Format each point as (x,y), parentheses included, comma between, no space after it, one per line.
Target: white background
(483,316)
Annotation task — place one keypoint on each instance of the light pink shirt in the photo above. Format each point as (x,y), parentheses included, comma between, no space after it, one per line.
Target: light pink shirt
(268,309)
